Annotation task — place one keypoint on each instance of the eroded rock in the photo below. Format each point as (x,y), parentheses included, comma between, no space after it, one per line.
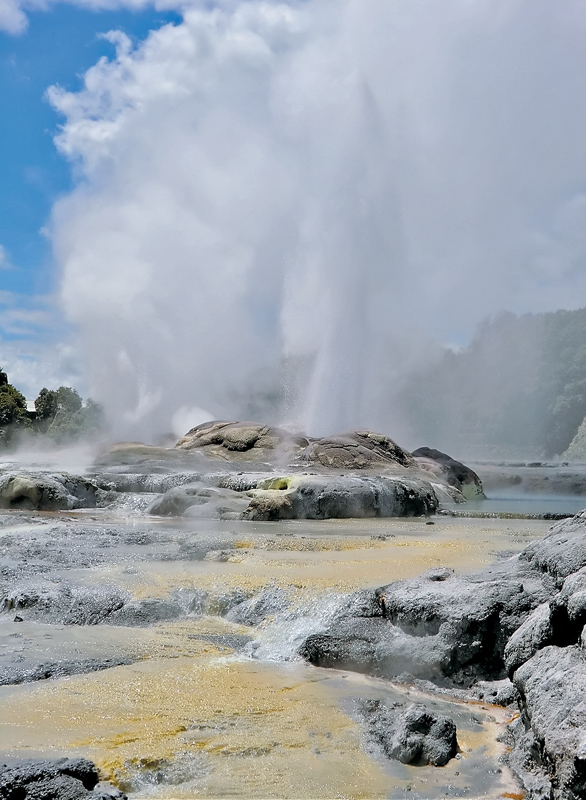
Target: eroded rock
(340,497)
(445,627)
(453,472)
(412,735)
(64,779)
(357,450)
(242,441)
(43,492)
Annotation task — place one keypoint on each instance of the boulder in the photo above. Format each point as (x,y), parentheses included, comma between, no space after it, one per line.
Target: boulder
(259,608)
(340,497)
(200,501)
(562,551)
(42,492)
(551,686)
(357,450)
(453,472)
(243,442)
(64,779)
(414,735)
(441,626)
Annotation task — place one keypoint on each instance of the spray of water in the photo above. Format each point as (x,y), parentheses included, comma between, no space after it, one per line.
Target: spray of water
(283,207)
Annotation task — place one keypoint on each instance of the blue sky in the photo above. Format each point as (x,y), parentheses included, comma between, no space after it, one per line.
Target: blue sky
(56,48)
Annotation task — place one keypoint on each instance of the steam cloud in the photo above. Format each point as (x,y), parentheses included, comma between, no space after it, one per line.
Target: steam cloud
(300,198)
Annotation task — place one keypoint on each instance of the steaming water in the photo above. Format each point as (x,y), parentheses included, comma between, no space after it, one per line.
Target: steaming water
(209,708)
(530,504)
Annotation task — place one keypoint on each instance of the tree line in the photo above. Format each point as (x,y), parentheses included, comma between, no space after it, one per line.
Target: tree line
(60,415)
(518,388)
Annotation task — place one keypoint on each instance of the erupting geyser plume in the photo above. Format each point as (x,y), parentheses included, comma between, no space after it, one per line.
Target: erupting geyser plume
(281,205)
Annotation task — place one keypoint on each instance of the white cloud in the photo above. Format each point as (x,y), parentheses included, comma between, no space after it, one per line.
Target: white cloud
(322,180)
(5,262)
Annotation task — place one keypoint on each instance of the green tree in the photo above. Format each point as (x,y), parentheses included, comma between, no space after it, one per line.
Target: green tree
(13,413)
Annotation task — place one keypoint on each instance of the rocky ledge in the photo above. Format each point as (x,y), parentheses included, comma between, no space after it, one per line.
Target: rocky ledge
(244,470)
(521,622)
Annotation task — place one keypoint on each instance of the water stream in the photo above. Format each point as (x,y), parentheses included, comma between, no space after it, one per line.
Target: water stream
(206,707)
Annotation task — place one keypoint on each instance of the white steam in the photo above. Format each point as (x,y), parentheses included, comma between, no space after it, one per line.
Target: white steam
(281,204)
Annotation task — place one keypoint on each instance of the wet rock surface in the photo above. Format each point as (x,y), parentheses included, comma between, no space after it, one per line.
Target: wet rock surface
(42,492)
(525,617)
(453,472)
(64,779)
(510,634)
(340,497)
(412,734)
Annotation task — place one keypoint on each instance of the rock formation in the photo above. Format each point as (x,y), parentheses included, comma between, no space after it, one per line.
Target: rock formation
(524,618)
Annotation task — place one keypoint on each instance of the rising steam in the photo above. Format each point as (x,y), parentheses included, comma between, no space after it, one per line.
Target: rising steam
(281,205)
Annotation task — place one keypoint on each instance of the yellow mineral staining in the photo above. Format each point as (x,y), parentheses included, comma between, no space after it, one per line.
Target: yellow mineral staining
(263,731)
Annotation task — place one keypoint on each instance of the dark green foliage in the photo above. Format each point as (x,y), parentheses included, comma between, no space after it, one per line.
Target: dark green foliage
(13,413)
(59,414)
(519,387)
(74,423)
(46,404)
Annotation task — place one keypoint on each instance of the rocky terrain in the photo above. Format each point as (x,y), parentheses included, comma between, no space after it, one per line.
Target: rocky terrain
(249,471)
(513,634)
(522,620)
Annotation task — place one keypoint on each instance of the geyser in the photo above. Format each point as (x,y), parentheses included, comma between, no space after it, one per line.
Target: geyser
(280,205)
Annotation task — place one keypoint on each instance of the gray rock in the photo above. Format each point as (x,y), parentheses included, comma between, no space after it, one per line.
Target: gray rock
(259,608)
(340,497)
(562,551)
(361,449)
(536,632)
(453,472)
(441,626)
(71,604)
(65,779)
(200,501)
(551,686)
(243,442)
(44,492)
(414,735)
(14,674)
(67,604)
(499,693)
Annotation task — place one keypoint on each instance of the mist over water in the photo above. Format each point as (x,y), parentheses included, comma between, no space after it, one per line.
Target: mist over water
(284,209)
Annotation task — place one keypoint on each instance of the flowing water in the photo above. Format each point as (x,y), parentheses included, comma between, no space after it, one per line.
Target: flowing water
(210,708)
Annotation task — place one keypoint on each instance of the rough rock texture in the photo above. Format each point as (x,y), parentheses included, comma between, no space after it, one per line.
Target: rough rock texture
(441,626)
(65,779)
(552,685)
(243,441)
(72,604)
(453,472)
(340,496)
(257,609)
(299,497)
(199,500)
(526,616)
(414,735)
(251,441)
(357,450)
(42,492)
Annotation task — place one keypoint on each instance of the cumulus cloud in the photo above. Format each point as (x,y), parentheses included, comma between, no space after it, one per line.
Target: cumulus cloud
(271,190)
(33,350)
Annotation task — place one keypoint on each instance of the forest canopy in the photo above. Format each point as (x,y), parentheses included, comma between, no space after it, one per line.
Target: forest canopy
(518,390)
(60,415)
